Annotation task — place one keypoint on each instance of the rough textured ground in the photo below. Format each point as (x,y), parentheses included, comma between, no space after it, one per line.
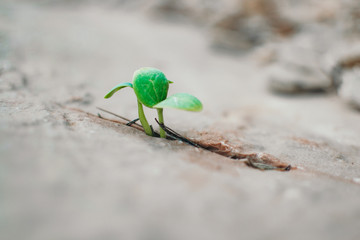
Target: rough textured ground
(67,175)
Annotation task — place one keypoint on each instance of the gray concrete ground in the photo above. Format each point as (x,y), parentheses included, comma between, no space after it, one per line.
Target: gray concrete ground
(67,175)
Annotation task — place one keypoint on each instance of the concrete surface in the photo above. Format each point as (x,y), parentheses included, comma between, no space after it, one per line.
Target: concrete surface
(67,175)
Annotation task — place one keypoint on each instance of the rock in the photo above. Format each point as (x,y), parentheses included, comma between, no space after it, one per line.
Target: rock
(350,87)
(341,56)
(296,68)
(287,78)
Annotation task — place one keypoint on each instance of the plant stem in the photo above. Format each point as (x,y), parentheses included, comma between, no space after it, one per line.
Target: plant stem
(143,120)
(161,121)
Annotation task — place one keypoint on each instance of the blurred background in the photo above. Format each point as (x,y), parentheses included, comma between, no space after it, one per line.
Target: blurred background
(274,76)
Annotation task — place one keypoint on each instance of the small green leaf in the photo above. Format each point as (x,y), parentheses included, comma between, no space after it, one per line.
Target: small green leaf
(183,101)
(150,86)
(170,81)
(117,88)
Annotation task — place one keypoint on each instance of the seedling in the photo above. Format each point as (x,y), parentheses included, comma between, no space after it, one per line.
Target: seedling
(151,87)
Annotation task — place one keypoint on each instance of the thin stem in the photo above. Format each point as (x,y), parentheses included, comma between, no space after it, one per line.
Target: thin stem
(176,136)
(143,120)
(161,121)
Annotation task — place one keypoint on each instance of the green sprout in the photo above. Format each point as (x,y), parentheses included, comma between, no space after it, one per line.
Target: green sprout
(151,87)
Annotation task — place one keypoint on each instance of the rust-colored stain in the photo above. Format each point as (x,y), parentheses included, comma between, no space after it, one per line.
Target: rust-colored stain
(307,142)
(217,144)
(266,161)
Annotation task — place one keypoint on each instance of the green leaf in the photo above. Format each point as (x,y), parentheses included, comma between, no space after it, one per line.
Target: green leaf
(183,101)
(150,86)
(117,88)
